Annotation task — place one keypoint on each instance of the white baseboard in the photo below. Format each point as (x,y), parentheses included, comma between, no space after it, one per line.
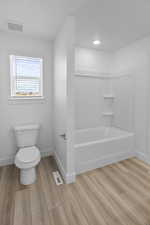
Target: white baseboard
(9,160)
(60,166)
(47,152)
(68,178)
(98,163)
(143,157)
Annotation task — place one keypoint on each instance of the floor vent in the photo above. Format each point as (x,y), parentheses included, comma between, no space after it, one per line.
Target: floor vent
(57,178)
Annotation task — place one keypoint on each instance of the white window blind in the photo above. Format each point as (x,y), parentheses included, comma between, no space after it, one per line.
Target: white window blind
(26,76)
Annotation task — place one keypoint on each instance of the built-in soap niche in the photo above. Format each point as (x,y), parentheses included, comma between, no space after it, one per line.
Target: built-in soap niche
(108,113)
(108,100)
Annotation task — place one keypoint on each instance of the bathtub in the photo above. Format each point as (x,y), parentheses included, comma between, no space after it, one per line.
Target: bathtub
(97,147)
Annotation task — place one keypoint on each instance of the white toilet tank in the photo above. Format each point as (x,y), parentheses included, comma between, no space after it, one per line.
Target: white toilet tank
(26,135)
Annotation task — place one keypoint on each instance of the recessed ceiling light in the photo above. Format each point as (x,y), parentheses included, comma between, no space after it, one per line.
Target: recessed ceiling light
(97,42)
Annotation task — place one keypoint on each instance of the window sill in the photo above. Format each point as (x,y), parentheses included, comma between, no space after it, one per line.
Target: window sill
(26,100)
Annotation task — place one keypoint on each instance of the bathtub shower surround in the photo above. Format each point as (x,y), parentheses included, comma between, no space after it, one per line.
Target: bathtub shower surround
(93,107)
(109,137)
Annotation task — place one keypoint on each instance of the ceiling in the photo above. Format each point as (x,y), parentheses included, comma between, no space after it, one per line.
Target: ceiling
(115,22)
(40,18)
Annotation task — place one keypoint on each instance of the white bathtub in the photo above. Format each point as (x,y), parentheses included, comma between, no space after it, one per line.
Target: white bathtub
(96,147)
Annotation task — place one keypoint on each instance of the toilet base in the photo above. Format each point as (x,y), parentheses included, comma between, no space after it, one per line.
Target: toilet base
(28,176)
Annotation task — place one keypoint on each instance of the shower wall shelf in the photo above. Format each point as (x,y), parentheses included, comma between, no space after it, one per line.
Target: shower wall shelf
(109,96)
(108,113)
(100,75)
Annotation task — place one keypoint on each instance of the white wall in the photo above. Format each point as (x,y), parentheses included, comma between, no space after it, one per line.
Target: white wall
(63,98)
(15,112)
(89,101)
(135,60)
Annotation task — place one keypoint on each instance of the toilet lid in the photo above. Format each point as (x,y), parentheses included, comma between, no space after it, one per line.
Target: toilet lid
(28,154)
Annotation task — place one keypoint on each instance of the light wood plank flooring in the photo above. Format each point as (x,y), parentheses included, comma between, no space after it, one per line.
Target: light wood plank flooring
(118,194)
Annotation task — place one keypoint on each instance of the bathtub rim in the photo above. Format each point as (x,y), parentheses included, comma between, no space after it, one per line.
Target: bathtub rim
(104,140)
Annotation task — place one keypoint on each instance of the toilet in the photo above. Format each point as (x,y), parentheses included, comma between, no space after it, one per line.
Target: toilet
(28,155)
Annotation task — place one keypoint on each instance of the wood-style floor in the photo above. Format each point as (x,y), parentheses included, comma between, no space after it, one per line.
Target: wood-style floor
(118,194)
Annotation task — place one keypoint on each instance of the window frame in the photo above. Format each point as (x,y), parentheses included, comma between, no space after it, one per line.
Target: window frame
(12,62)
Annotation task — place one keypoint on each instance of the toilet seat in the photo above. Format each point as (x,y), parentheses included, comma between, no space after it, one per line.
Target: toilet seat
(27,157)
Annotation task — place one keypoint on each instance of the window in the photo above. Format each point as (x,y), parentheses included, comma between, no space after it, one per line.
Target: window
(26,76)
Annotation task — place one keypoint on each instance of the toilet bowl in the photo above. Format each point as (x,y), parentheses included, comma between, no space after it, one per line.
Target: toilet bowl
(26,160)
(28,155)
